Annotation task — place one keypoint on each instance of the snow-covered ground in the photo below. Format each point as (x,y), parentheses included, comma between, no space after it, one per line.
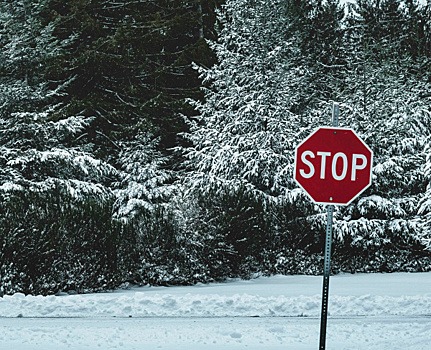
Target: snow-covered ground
(367,311)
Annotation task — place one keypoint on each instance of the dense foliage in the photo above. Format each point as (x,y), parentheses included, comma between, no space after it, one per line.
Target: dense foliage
(152,141)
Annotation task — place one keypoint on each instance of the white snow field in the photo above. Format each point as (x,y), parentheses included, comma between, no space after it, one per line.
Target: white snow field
(367,311)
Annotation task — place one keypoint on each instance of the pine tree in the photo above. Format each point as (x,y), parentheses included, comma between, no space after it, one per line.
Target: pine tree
(145,183)
(131,68)
(247,127)
(320,27)
(27,48)
(424,47)
(131,63)
(49,183)
(425,202)
(384,103)
(240,157)
(37,147)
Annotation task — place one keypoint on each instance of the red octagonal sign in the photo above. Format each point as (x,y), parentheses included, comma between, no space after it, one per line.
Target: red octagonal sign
(333,165)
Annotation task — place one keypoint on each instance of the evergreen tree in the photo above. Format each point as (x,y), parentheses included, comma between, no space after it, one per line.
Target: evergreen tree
(320,27)
(384,103)
(27,48)
(240,158)
(247,128)
(131,68)
(94,95)
(425,203)
(145,183)
(366,64)
(131,63)
(424,45)
(48,181)
(37,148)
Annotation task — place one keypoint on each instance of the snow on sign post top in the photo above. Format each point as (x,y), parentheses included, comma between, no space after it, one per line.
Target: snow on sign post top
(333,165)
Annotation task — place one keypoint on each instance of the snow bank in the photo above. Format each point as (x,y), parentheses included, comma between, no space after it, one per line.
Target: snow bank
(240,305)
(280,296)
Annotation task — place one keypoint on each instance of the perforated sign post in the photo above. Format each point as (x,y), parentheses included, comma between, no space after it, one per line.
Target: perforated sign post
(333,166)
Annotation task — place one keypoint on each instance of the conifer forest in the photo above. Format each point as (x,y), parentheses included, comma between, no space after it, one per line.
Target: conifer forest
(152,141)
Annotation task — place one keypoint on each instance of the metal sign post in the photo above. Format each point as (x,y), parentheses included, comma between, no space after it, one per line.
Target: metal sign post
(327,261)
(334,166)
(326,274)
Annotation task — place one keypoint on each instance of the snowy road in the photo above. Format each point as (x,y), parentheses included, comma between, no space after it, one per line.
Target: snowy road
(275,333)
(367,312)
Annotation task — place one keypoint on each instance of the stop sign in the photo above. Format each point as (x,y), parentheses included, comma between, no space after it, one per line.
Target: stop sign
(333,165)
